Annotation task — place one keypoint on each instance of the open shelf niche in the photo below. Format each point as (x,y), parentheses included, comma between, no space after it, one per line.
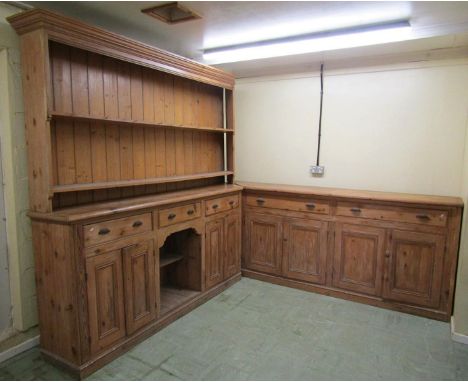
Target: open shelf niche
(118,129)
(180,269)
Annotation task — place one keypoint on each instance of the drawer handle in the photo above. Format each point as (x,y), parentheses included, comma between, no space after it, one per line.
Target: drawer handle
(104,231)
(260,201)
(355,209)
(310,205)
(231,202)
(190,212)
(423,217)
(171,216)
(215,206)
(138,223)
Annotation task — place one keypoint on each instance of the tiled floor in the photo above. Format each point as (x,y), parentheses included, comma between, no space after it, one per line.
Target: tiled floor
(256,330)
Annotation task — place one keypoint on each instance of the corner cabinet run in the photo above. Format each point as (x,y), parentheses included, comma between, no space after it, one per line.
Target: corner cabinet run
(396,251)
(135,214)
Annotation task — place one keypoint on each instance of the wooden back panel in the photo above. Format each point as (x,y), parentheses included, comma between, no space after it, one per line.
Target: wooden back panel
(90,85)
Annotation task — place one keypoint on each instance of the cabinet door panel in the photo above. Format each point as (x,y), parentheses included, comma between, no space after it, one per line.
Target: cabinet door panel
(263,243)
(305,250)
(214,252)
(358,259)
(140,289)
(105,300)
(415,266)
(232,228)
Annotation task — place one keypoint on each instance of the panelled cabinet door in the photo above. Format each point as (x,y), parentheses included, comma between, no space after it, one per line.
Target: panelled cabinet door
(214,252)
(232,258)
(140,289)
(305,250)
(263,243)
(105,299)
(358,258)
(414,268)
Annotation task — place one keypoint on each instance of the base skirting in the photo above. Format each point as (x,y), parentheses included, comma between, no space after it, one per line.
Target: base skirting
(17,349)
(457,337)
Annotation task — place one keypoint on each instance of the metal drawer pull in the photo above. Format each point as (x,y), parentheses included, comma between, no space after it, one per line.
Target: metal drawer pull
(171,216)
(138,223)
(260,201)
(231,202)
(104,231)
(310,205)
(355,209)
(215,206)
(423,217)
(190,212)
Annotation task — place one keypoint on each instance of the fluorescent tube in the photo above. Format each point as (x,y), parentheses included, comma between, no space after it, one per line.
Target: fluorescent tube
(316,42)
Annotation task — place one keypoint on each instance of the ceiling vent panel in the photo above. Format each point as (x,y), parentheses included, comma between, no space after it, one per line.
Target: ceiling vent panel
(171,13)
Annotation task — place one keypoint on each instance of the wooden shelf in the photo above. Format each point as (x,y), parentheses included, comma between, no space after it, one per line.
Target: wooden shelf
(169,258)
(136,182)
(59,115)
(173,297)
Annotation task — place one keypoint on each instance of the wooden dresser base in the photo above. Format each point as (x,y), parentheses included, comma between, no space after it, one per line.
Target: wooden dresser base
(123,346)
(333,292)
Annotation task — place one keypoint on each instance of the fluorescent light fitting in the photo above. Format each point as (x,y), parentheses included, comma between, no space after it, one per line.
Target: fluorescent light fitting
(315,42)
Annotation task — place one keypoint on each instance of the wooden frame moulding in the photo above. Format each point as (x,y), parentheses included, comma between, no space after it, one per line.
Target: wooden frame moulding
(68,31)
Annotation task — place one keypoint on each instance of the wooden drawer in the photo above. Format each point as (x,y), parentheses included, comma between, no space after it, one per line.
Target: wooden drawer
(179,214)
(103,232)
(225,203)
(292,204)
(397,214)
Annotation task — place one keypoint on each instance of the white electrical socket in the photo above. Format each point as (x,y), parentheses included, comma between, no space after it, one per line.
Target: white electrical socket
(317,170)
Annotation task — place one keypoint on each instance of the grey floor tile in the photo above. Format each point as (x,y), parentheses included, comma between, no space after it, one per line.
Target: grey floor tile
(122,369)
(159,375)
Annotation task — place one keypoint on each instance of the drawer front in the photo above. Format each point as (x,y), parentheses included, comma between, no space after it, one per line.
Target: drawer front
(115,229)
(292,204)
(179,214)
(225,203)
(398,214)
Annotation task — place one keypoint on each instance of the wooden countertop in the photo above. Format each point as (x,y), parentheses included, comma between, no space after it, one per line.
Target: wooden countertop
(89,211)
(354,194)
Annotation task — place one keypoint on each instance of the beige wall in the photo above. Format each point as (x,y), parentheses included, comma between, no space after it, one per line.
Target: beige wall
(461,297)
(20,257)
(390,129)
(398,128)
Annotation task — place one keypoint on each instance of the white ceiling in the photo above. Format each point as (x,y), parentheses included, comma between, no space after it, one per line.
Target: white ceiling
(436,27)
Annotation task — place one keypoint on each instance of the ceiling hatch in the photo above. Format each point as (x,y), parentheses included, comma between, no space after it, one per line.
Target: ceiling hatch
(171,13)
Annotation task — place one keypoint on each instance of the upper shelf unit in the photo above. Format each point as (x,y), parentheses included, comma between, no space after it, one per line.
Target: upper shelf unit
(109,117)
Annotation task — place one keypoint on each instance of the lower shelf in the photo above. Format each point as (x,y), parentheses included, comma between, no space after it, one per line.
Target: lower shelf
(169,258)
(173,297)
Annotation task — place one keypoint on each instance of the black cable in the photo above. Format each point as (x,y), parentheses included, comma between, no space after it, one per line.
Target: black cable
(320,116)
